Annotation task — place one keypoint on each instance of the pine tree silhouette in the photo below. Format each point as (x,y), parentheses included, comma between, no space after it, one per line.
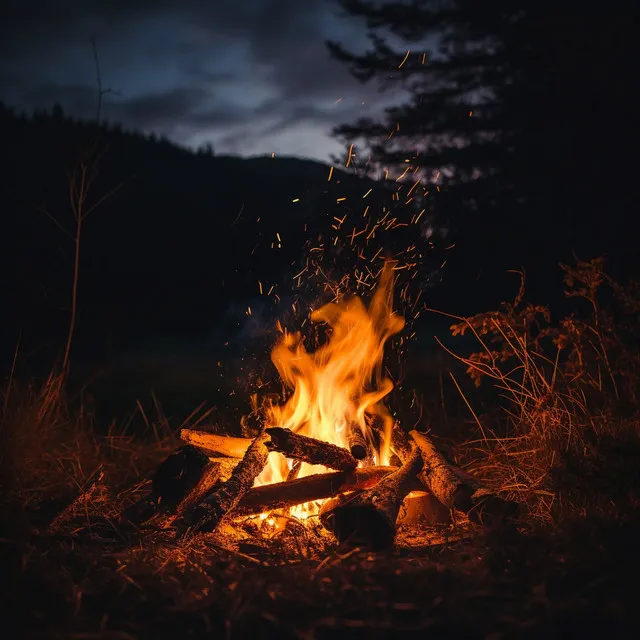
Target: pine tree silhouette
(530,112)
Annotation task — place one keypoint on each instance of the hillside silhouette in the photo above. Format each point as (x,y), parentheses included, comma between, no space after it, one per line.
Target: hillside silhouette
(183,237)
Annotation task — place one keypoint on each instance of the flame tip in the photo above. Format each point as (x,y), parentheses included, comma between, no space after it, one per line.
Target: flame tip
(341,383)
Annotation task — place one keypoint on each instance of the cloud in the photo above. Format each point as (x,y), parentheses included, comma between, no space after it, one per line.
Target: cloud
(237,74)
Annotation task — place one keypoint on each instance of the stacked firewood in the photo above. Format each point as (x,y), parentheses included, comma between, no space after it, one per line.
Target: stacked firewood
(211,478)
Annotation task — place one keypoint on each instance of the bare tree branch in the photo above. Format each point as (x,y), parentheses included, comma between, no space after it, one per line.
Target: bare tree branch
(101,91)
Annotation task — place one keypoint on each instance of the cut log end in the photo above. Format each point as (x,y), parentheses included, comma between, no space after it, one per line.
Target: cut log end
(358,451)
(357,442)
(400,444)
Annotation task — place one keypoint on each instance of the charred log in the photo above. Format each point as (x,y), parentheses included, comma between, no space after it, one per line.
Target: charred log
(421,508)
(400,444)
(215,444)
(208,480)
(460,490)
(358,444)
(170,483)
(368,518)
(281,495)
(208,514)
(310,450)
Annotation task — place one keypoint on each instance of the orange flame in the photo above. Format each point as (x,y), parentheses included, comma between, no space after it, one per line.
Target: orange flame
(340,383)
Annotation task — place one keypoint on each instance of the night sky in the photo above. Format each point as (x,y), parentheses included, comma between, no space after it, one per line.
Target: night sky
(251,76)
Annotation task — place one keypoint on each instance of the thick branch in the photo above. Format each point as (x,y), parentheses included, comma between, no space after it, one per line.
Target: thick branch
(400,442)
(281,495)
(216,444)
(210,512)
(368,518)
(459,490)
(310,450)
(358,444)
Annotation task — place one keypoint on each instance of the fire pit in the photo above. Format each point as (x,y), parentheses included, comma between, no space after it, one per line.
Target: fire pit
(331,452)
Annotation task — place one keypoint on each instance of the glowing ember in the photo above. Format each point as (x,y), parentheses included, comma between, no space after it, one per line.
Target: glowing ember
(339,385)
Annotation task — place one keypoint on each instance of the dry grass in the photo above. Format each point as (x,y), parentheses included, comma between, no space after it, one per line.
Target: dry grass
(50,451)
(560,395)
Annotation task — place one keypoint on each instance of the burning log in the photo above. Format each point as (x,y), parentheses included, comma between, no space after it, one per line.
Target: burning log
(215,444)
(357,443)
(282,495)
(368,518)
(210,511)
(400,442)
(294,445)
(460,490)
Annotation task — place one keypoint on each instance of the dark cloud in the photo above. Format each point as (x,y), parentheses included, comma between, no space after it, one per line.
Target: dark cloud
(245,75)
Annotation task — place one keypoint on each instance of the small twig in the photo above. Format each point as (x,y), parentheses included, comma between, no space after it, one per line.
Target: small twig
(473,413)
(101,91)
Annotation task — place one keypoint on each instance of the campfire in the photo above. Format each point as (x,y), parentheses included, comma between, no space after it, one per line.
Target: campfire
(331,451)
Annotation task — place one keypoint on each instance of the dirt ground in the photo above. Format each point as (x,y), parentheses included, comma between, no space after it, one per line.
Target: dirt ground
(95,580)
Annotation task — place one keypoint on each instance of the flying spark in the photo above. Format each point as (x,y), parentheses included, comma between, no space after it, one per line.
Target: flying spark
(405,59)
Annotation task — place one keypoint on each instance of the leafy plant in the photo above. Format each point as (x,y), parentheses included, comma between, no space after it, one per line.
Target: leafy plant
(564,383)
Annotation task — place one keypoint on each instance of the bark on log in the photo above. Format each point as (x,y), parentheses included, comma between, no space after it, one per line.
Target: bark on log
(458,489)
(282,495)
(400,444)
(294,471)
(310,450)
(210,511)
(358,444)
(216,444)
(368,518)
(227,465)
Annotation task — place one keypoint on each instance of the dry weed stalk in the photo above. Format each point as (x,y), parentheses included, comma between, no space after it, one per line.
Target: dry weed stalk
(83,202)
(553,381)
(50,450)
